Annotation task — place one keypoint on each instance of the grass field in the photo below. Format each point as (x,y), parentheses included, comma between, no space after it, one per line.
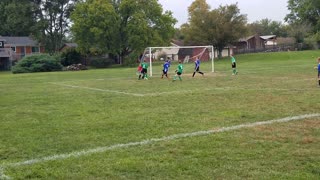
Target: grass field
(105,124)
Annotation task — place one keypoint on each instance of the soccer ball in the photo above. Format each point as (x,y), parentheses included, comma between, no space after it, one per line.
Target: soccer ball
(161,59)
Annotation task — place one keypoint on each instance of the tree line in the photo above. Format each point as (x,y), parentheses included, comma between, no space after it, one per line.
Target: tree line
(123,28)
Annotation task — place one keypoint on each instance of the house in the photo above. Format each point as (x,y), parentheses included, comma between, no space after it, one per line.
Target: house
(251,42)
(15,48)
(171,53)
(5,54)
(68,46)
(191,54)
(266,43)
(270,40)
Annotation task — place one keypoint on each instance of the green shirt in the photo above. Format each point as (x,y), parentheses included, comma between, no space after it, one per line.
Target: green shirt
(144,65)
(233,60)
(180,68)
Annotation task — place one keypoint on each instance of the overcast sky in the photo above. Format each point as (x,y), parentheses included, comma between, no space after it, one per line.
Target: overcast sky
(254,9)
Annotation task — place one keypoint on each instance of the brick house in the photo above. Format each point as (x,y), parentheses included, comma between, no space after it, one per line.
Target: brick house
(15,48)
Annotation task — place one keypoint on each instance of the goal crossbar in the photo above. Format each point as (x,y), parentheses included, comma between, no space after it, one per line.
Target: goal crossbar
(179,47)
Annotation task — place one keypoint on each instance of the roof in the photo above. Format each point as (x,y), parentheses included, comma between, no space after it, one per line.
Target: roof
(68,45)
(245,39)
(268,37)
(170,51)
(71,45)
(19,41)
(175,42)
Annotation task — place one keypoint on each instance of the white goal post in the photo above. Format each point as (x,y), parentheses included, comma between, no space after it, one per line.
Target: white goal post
(148,51)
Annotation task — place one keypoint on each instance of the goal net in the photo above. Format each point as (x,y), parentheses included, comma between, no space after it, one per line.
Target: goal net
(156,56)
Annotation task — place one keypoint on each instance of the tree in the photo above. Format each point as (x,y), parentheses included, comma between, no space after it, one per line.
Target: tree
(121,27)
(16,18)
(218,27)
(304,19)
(268,27)
(304,11)
(53,21)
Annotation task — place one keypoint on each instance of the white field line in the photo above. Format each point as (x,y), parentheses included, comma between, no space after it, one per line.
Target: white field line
(2,175)
(77,154)
(181,91)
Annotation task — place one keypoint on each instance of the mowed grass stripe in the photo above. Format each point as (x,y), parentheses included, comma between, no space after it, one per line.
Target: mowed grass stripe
(154,140)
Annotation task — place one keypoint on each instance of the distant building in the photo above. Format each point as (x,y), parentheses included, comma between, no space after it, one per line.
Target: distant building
(68,46)
(15,48)
(270,40)
(250,43)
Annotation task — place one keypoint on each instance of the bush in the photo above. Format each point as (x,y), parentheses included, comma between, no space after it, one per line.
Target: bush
(37,63)
(101,62)
(70,56)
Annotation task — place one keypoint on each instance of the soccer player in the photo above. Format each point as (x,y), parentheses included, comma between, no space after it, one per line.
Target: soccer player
(144,70)
(318,70)
(165,70)
(178,72)
(197,67)
(233,65)
(139,70)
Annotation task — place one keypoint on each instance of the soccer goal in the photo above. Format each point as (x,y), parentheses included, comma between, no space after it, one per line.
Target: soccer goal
(186,54)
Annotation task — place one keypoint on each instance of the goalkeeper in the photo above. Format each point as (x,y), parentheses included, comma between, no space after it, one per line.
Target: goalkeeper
(197,67)
(144,70)
(178,72)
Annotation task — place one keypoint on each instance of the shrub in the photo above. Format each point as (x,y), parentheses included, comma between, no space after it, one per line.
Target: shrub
(101,62)
(70,56)
(37,63)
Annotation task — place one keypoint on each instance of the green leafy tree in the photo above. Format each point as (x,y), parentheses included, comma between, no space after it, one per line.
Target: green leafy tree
(304,18)
(304,11)
(53,21)
(268,27)
(218,27)
(121,27)
(17,18)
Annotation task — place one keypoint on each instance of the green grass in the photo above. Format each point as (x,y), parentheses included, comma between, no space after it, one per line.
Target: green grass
(41,118)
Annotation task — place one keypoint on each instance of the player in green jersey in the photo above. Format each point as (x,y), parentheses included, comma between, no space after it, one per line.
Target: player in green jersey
(144,71)
(178,72)
(233,65)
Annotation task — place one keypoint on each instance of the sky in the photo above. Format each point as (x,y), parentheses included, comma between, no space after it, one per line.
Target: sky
(255,10)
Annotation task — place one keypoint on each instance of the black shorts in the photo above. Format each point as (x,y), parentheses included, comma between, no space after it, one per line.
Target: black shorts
(179,73)
(144,71)
(319,74)
(234,65)
(165,72)
(197,69)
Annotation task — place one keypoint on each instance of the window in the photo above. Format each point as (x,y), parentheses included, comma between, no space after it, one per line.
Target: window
(13,49)
(35,49)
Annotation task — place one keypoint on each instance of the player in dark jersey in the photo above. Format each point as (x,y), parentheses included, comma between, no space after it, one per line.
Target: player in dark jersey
(197,67)
(165,69)
(318,70)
